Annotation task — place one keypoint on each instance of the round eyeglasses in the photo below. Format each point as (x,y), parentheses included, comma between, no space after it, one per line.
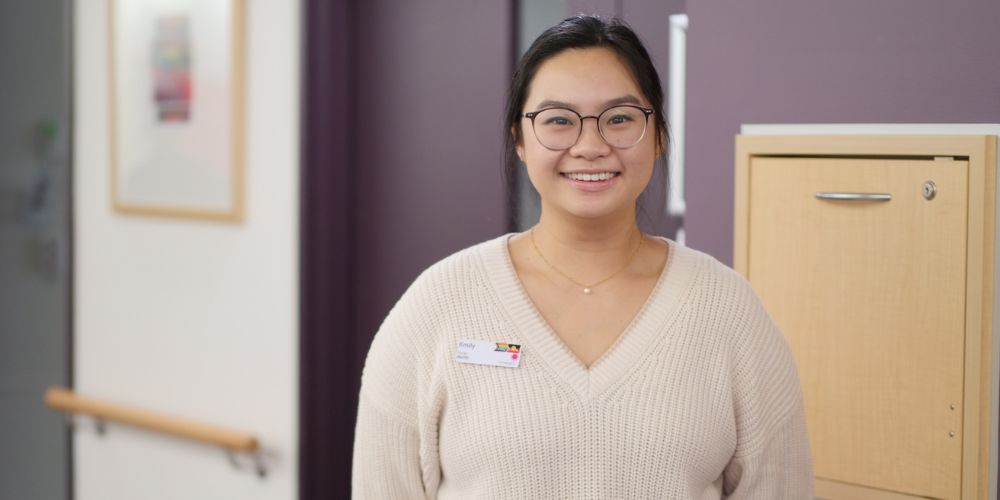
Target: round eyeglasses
(559,128)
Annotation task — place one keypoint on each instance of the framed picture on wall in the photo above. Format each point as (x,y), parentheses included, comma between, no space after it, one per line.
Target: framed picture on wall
(176,107)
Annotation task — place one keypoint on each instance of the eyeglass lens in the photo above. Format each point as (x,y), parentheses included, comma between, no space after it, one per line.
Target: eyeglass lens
(559,128)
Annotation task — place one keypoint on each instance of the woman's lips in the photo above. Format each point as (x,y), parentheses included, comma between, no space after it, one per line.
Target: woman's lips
(581,181)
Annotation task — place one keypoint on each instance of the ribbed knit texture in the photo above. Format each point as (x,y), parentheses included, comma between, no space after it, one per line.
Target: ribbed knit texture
(698,398)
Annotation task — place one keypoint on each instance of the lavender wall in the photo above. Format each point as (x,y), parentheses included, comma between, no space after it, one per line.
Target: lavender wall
(431,78)
(402,166)
(816,61)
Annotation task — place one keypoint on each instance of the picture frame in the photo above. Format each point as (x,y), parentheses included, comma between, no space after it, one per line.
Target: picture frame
(176,108)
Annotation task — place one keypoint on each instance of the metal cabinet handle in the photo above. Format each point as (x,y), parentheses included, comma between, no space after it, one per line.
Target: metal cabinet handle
(854,196)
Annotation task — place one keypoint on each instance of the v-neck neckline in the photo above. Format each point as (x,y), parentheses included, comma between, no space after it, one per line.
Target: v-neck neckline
(543,345)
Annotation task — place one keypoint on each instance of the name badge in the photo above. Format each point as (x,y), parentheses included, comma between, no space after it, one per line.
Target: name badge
(482,352)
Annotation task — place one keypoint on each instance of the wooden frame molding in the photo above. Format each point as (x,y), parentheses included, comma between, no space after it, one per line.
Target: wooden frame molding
(981,151)
(236,211)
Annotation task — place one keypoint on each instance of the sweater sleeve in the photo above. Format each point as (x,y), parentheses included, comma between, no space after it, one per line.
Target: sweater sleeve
(781,469)
(387,441)
(386,456)
(772,459)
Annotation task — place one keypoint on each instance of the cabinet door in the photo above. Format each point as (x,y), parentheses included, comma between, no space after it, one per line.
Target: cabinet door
(871,296)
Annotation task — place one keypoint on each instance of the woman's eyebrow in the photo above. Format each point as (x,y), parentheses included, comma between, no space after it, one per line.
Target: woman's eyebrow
(625,99)
(549,103)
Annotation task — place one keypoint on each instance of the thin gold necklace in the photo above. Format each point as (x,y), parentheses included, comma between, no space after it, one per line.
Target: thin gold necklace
(587,289)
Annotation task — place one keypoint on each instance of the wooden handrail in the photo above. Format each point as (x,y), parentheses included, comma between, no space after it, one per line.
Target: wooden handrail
(65,400)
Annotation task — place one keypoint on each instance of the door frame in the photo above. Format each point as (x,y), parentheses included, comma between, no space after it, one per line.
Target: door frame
(329,375)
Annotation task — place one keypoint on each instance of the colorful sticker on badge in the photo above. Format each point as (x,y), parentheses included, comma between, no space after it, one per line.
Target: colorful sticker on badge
(482,352)
(505,347)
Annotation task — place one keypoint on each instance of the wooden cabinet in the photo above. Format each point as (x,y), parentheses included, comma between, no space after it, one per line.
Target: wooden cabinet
(875,255)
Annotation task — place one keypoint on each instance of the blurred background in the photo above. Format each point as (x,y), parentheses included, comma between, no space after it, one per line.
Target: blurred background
(372,149)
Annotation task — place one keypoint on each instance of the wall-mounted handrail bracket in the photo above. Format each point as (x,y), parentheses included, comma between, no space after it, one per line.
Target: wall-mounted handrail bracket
(101,426)
(70,420)
(259,464)
(73,422)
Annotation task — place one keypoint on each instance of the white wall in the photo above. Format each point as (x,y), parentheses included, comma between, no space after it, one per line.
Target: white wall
(196,319)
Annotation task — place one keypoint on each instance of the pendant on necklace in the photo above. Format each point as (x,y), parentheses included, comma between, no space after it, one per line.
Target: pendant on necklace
(586,291)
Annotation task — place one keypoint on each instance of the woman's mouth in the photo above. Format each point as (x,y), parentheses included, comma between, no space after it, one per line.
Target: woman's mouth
(590,177)
(591,181)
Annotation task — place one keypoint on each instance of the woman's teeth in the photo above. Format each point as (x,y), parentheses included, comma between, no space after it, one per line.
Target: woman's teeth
(602,176)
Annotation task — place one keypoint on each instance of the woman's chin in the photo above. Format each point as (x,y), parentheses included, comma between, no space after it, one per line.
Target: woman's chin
(593,210)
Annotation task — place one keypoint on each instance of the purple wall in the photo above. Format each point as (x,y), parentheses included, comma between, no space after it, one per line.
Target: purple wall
(431,79)
(401,167)
(816,61)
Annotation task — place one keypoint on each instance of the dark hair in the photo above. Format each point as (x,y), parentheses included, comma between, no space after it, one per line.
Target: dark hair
(581,32)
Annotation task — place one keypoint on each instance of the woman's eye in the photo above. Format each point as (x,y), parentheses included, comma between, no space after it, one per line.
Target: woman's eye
(558,120)
(619,119)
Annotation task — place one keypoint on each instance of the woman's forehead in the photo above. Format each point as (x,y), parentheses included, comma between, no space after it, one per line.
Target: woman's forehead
(591,77)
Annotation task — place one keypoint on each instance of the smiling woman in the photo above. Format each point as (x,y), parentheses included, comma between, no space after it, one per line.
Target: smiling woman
(592,169)
(581,358)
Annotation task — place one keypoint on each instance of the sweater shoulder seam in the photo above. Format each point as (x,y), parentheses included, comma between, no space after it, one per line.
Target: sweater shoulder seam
(389,413)
(789,413)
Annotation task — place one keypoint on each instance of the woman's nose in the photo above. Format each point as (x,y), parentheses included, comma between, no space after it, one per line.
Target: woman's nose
(591,143)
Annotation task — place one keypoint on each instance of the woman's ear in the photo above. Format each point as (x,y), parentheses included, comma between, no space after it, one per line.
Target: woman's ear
(518,143)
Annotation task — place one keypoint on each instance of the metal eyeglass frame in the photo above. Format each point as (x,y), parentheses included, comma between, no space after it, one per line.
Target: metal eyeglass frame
(579,130)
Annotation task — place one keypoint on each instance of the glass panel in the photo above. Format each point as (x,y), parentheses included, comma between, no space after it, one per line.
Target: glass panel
(34,246)
(534,17)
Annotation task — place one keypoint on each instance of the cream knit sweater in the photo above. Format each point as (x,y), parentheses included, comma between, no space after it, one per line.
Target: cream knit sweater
(699,397)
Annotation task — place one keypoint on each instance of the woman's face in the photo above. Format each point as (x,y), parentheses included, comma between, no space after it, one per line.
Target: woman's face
(587,81)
